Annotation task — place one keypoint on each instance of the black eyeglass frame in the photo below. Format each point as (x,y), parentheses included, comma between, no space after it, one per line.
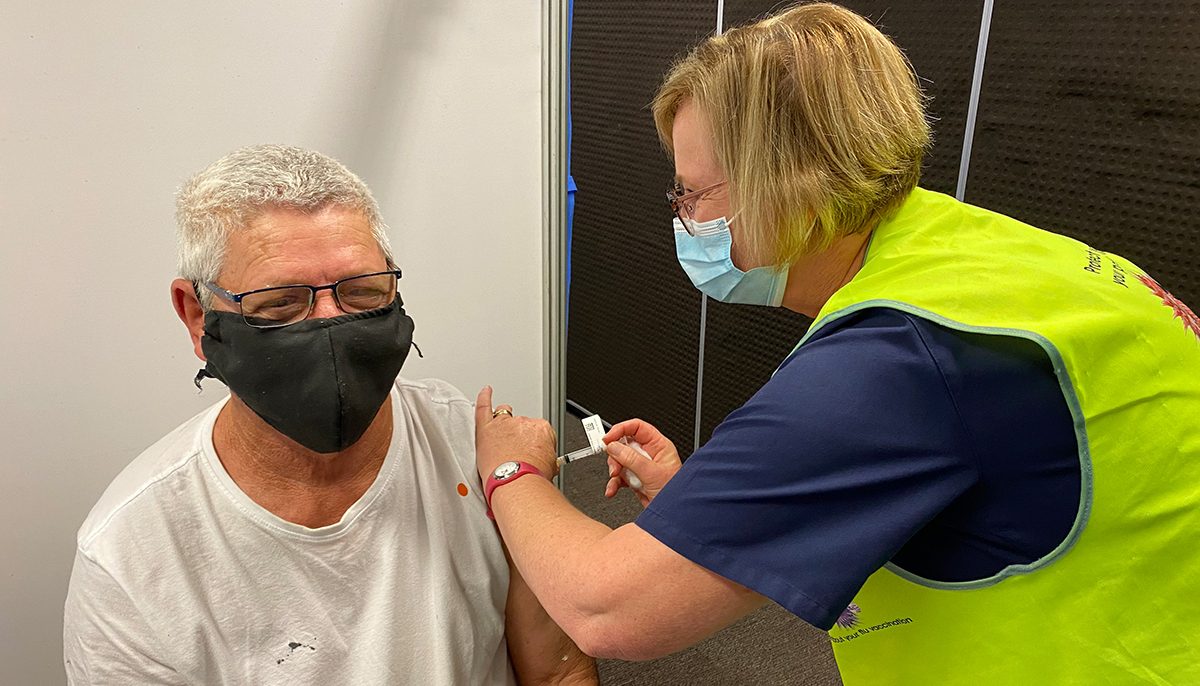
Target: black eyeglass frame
(236,298)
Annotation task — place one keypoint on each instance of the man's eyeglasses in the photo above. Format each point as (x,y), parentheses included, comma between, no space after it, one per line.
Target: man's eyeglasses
(269,308)
(683,203)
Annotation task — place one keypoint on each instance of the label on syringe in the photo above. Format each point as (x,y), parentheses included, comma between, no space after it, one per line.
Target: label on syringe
(593,426)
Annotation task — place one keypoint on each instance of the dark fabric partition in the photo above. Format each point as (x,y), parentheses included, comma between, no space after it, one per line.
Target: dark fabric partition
(635,318)
(1089,125)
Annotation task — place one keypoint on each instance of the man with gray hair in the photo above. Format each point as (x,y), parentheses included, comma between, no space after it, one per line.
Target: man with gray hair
(323,524)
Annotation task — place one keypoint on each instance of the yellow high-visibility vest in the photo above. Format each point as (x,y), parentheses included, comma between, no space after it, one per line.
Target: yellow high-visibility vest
(1118,601)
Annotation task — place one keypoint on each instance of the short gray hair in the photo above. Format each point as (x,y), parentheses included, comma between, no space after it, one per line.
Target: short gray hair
(241,186)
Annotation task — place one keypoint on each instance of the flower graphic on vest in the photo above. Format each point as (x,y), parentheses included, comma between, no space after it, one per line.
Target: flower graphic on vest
(849,617)
(1182,312)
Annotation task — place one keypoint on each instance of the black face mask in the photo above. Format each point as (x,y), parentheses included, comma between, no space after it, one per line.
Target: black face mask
(320,382)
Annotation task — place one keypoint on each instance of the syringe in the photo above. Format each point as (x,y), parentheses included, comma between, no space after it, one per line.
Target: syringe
(593,426)
(576,455)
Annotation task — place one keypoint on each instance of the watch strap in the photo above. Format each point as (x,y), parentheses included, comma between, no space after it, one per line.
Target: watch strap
(493,483)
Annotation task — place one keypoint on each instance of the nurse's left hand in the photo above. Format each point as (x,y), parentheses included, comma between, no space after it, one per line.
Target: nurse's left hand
(503,437)
(654,473)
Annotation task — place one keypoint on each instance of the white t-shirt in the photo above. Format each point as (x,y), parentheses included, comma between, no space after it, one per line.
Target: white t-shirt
(180,578)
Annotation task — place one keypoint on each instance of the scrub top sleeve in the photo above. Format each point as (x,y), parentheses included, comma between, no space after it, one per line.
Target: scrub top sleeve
(819,479)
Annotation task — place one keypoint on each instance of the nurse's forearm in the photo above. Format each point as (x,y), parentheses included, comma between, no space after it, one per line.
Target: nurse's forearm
(562,555)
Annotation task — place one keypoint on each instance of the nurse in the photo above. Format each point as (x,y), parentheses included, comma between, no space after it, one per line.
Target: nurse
(980,465)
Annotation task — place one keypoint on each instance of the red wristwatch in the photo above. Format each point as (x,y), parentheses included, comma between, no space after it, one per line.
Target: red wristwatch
(504,474)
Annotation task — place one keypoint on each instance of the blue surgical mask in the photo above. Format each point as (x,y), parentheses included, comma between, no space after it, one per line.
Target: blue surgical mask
(705,256)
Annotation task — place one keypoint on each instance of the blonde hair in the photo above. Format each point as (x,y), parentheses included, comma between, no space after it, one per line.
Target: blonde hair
(236,189)
(817,121)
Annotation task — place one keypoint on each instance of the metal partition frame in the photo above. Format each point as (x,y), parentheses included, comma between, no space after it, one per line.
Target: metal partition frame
(554,209)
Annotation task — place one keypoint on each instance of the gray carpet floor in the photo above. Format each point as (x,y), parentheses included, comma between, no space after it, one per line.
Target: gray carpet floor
(770,646)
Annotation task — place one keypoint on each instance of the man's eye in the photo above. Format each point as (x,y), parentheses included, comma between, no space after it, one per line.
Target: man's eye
(363,294)
(280,302)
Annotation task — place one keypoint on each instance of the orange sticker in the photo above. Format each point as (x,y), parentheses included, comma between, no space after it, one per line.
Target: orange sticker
(462,490)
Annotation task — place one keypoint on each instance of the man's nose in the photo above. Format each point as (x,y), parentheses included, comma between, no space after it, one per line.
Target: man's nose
(325,306)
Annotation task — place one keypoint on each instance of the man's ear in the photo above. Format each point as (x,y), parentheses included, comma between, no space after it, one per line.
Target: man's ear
(187,306)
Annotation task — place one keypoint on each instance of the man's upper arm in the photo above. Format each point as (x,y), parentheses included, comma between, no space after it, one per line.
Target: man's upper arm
(541,653)
(105,638)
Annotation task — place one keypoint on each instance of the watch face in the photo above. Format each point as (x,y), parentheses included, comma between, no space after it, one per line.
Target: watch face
(506,470)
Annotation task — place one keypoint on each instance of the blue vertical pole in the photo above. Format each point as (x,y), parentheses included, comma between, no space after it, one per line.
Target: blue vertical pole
(571,188)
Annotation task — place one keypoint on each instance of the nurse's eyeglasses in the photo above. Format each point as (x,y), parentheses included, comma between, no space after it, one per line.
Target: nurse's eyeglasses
(683,202)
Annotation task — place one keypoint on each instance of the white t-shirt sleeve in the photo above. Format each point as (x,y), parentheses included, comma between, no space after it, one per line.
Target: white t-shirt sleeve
(105,638)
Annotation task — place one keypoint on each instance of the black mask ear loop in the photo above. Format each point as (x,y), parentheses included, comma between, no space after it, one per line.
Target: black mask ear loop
(200,375)
(392,265)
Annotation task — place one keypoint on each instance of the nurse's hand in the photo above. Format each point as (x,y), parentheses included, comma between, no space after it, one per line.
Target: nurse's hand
(501,436)
(654,473)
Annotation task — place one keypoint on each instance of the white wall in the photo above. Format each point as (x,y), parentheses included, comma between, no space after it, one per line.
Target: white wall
(106,107)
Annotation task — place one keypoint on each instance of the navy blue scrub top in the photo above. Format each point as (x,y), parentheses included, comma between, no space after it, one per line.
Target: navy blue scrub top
(885,437)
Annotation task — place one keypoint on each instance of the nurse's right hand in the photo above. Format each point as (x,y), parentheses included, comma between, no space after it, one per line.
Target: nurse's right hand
(654,473)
